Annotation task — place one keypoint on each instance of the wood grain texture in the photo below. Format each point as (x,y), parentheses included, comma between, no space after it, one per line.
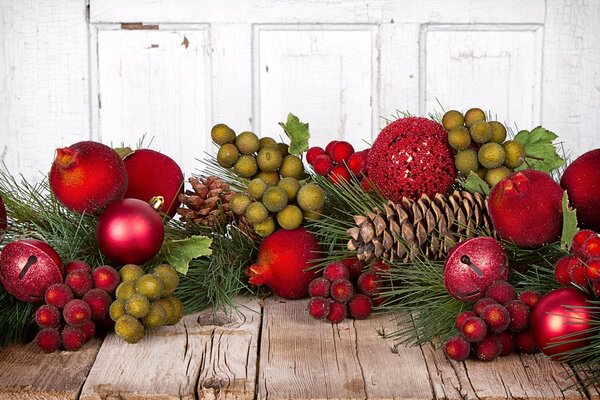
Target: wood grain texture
(27,373)
(302,358)
(194,358)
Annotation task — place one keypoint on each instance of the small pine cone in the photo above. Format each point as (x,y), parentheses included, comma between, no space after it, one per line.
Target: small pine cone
(208,203)
(430,227)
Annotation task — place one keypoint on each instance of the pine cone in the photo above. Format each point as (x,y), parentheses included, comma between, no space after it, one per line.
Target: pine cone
(208,204)
(404,230)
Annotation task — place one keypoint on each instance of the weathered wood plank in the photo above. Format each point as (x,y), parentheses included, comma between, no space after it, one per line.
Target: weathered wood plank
(27,373)
(515,376)
(306,359)
(196,357)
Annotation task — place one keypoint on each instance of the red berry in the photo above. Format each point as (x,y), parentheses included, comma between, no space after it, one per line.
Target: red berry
(58,295)
(488,349)
(595,285)
(48,340)
(519,315)
(592,270)
(77,265)
(341,290)
(329,147)
(318,307)
(79,281)
(496,317)
(313,153)
(99,301)
(319,287)
(530,297)
(355,267)
(481,304)
(89,329)
(591,247)
(578,240)
(341,152)
(360,307)
(337,312)
(563,268)
(508,343)
(473,329)
(357,163)
(379,266)
(462,317)
(47,316)
(106,278)
(457,348)
(369,283)
(336,270)
(77,312)
(526,343)
(73,338)
(501,291)
(578,274)
(322,164)
(366,184)
(338,174)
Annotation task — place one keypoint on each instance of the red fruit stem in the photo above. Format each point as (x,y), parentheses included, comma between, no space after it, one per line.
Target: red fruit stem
(258,274)
(64,157)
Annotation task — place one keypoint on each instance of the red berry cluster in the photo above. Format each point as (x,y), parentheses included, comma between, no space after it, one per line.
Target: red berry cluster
(345,290)
(582,266)
(497,326)
(74,307)
(338,161)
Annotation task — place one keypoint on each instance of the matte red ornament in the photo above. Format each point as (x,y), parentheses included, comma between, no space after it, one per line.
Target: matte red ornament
(130,231)
(561,312)
(472,266)
(3,220)
(28,267)
(151,174)
(581,180)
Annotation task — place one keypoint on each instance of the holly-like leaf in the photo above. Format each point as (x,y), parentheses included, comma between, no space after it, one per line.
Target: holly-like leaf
(179,253)
(569,228)
(475,184)
(297,132)
(540,152)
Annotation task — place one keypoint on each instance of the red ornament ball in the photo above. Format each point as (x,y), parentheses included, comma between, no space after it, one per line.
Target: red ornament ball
(130,232)
(151,174)
(3,219)
(87,176)
(563,311)
(28,267)
(410,157)
(581,180)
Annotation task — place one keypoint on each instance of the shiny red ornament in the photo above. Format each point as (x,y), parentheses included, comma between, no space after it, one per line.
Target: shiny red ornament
(561,312)
(3,220)
(28,267)
(472,266)
(130,231)
(151,174)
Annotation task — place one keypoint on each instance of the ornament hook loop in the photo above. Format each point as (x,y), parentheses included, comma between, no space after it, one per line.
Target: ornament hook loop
(157,202)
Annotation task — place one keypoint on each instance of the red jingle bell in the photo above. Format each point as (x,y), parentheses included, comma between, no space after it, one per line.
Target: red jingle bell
(28,267)
(564,311)
(3,220)
(130,231)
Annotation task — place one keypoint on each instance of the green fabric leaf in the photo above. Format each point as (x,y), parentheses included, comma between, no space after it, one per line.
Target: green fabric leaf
(297,132)
(569,223)
(540,151)
(179,253)
(475,184)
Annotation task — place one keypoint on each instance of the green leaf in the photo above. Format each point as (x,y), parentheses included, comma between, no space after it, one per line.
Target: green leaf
(569,223)
(540,151)
(179,253)
(297,132)
(475,184)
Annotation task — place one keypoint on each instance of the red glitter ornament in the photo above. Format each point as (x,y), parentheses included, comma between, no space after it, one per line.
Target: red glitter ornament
(28,267)
(410,157)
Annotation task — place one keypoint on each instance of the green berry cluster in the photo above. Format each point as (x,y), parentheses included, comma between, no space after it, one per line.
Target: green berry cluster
(481,145)
(145,301)
(275,195)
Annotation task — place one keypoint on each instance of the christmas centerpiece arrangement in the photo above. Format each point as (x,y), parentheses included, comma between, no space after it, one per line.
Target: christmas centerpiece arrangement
(486,240)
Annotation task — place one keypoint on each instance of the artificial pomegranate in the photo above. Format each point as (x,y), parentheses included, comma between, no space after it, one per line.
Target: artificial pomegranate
(87,176)
(526,208)
(283,259)
(151,174)
(564,311)
(28,267)
(3,219)
(472,266)
(581,180)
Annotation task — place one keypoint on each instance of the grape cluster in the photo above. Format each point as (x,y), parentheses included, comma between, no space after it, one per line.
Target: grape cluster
(338,161)
(73,309)
(481,145)
(498,325)
(145,301)
(582,266)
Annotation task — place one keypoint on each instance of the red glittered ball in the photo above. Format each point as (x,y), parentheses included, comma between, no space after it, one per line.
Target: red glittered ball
(581,180)
(410,157)
(28,267)
(130,231)
(152,174)
(564,311)
(3,220)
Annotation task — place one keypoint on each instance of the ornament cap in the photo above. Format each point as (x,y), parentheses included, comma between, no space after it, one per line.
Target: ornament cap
(157,202)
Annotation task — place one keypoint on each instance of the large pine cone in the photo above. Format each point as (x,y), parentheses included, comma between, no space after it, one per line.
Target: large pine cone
(430,227)
(208,203)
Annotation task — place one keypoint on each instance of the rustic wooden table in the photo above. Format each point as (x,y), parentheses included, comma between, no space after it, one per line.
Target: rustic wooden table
(281,354)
